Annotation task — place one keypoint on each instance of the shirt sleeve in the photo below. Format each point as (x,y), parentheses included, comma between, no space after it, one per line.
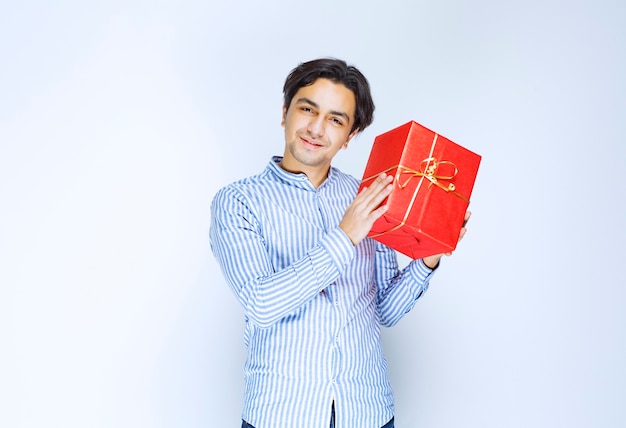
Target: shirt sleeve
(398,290)
(267,295)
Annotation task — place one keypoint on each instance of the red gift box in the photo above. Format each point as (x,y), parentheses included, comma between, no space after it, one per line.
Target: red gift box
(433,181)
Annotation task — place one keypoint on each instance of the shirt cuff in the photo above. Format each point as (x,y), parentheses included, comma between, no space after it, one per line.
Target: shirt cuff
(421,272)
(339,248)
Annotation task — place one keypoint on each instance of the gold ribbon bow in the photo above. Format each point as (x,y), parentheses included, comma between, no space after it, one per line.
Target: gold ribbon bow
(429,170)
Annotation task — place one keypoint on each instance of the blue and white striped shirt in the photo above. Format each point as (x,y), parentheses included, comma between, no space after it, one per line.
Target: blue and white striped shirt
(313,302)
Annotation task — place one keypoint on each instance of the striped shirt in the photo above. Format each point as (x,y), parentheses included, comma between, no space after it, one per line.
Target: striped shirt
(313,302)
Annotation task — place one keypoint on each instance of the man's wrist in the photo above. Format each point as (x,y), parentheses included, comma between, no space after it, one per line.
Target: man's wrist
(432,262)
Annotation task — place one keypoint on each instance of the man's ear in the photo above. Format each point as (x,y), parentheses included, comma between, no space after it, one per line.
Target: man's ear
(352,134)
(284,119)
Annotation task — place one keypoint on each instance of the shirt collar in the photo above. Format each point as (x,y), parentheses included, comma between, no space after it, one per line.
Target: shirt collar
(299,179)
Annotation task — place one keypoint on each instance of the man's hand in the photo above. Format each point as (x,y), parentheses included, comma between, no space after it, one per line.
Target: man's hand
(433,261)
(366,208)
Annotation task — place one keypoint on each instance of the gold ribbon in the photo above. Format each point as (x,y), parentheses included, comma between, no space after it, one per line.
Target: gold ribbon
(428,170)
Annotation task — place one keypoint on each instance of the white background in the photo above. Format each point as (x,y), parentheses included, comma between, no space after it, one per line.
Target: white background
(120,120)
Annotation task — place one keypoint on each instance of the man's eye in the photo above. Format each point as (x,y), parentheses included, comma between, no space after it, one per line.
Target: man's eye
(337,121)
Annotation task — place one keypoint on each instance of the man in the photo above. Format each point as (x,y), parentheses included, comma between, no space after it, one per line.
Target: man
(292,244)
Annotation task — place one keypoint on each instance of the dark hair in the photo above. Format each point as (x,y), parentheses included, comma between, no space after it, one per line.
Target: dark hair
(336,71)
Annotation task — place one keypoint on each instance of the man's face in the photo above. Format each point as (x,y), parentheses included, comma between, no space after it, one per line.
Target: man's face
(317,124)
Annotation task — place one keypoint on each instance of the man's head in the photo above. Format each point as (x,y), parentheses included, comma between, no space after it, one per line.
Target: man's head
(338,72)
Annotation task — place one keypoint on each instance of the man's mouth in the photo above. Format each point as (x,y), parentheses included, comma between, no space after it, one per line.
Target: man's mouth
(314,144)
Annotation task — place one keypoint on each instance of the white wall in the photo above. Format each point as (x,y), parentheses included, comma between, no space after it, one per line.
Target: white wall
(119,121)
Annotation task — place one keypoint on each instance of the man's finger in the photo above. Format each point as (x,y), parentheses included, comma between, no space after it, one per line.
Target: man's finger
(377,192)
(467,217)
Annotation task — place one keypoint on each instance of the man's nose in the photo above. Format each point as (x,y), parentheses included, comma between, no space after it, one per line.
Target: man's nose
(316,126)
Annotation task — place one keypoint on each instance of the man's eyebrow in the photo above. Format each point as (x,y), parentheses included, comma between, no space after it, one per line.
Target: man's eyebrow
(308,101)
(313,104)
